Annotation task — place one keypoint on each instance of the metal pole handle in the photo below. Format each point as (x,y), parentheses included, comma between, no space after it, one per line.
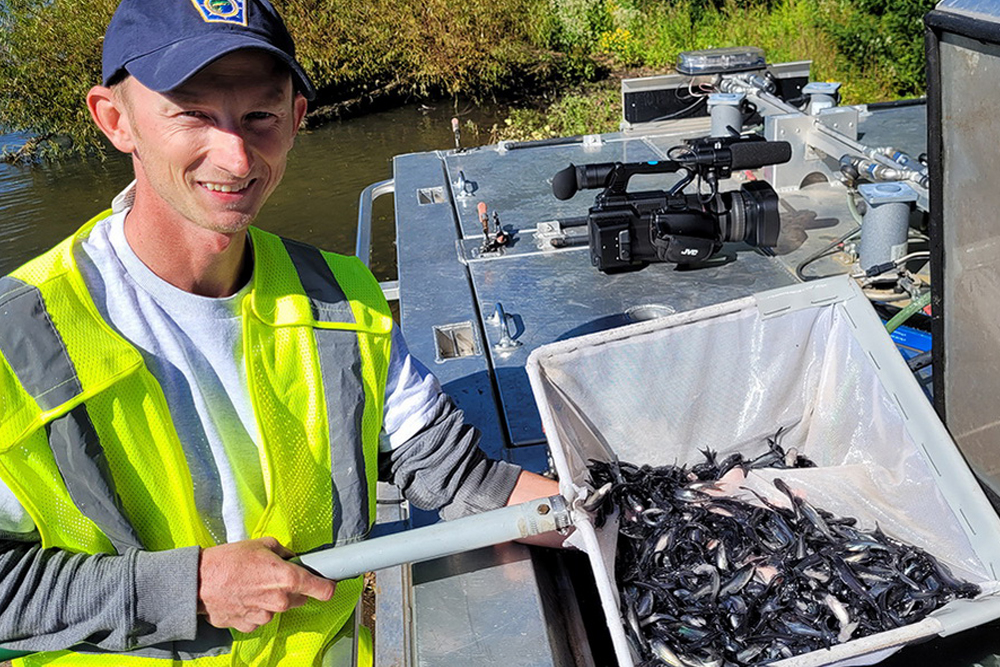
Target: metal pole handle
(539,516)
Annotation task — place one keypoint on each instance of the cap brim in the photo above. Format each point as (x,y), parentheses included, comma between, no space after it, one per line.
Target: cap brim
(168,68)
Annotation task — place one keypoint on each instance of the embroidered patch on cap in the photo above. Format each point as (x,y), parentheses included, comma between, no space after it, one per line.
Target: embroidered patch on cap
(222,11)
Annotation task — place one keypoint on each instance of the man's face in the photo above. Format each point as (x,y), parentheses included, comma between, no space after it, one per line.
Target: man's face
(213,150)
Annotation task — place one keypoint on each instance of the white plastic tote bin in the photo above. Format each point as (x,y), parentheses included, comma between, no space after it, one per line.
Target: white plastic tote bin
(813,359)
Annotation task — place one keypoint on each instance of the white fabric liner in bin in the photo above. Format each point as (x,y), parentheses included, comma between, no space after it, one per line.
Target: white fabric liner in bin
(811,359)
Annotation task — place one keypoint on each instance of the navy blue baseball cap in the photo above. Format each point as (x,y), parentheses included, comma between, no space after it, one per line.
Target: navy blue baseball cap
(163,43)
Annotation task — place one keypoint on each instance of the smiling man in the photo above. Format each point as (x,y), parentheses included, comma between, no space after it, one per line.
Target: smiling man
(185,400)
(207,154)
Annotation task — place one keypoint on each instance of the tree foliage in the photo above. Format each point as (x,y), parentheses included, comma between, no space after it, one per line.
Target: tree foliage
(50,55)
(50,50)
(886,35)
(352,46)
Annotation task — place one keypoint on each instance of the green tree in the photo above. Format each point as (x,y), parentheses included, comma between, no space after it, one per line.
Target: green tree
(363,50)
(885,35)
(50,53)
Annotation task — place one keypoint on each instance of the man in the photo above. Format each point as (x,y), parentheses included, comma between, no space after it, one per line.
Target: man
(186,401)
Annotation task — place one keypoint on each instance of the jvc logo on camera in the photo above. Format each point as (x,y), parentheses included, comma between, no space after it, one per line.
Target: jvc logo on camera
(689,252)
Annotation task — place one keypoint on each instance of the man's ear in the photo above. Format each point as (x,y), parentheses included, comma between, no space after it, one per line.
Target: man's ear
(109,113)
(301,106)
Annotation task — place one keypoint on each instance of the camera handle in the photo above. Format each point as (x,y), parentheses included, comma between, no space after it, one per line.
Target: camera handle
(612,176)
(710,158)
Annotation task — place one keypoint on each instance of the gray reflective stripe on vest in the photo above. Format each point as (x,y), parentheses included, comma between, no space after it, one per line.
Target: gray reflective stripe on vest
(328,301)
(38,356)
(84,468)
(340,364)
(32,346)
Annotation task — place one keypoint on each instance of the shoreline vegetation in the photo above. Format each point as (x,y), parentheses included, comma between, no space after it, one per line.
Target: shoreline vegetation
(553,66)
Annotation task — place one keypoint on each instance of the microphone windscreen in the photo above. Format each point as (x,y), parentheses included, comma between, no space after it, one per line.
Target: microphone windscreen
(564,183)
(754,154)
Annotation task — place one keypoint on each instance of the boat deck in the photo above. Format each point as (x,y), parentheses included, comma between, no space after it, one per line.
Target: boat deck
(510,605)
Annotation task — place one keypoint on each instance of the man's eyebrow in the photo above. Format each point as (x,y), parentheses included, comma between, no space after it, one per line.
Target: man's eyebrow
(275,95)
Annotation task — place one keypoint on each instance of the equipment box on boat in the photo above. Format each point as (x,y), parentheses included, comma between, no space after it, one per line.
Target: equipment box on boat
(812,360)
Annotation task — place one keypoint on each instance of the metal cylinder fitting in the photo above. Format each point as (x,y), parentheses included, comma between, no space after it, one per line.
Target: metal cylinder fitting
(886,222)
(726,113)
(822,95)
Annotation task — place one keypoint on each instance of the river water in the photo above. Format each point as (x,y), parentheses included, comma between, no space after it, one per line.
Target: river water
(316,203)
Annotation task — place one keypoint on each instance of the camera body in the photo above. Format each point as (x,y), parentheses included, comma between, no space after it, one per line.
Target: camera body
(629,230)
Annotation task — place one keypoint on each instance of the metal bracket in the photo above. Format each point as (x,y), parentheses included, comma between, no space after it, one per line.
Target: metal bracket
(545,232)
(464,188)
(831,132)
(499,318)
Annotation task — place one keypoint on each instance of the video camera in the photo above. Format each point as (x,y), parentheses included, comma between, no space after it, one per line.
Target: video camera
(627,230)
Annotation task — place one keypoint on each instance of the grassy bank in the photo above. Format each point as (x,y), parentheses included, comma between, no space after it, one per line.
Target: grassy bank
(874,48)
(563,54)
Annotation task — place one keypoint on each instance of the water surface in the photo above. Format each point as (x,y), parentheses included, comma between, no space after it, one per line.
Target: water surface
(316,203)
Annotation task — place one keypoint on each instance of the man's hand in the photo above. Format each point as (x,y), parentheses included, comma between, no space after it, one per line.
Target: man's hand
(244,584)
(530,486)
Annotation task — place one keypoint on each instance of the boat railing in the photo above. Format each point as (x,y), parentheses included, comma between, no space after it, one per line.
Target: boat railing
(363,244)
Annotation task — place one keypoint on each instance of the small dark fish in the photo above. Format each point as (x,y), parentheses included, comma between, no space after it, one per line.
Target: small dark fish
(792,498)
(738,581)
(691,633)
(595,498)
(690,495)
(656,618)
(693,661)
(663,541)
(721,562)
(710,589)
(799,629)
(714,581)
(644,605)
(805,509)
(633,625)
(964,588)
(766,460)
(731,461)
(653,516)
(838,609)
(694,621)
(814,517)
(748,654)
(662,652)
(866,544)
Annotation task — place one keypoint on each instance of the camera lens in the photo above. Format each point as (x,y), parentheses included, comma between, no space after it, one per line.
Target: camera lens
(750,214)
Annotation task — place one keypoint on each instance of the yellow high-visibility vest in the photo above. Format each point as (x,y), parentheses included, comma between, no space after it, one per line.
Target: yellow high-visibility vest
(88,446)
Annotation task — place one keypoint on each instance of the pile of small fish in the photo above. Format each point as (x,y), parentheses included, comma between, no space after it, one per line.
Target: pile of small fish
(712,581)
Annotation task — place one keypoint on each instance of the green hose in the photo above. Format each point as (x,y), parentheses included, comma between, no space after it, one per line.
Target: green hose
(905,313)
(10,655)
(853,207)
